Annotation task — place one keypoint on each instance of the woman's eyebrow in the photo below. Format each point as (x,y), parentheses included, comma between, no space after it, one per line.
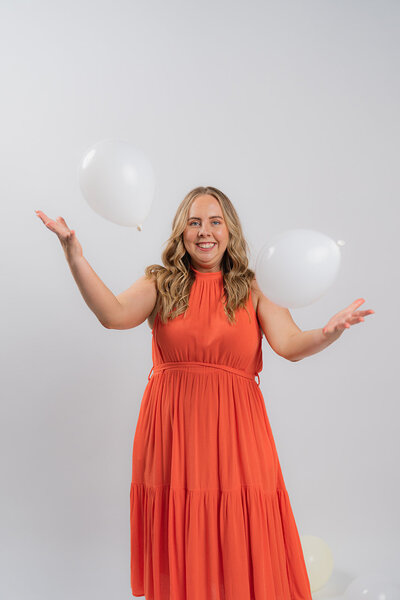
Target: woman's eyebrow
(214,217)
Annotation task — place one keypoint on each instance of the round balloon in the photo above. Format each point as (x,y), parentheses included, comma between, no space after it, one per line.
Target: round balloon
(297,267)
(118,182)
(318,559)
(372,586)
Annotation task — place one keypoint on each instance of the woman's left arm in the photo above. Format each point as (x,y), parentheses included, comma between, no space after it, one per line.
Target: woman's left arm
(306,343)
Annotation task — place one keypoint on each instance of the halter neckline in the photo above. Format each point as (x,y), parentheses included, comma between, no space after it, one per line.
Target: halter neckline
(209,275)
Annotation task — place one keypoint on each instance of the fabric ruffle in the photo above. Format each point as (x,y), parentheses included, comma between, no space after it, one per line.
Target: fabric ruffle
(217,545)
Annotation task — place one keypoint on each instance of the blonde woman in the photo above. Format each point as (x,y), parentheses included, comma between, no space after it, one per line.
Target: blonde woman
(210,514)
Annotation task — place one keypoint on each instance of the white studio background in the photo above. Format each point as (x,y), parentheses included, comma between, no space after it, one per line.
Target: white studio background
(292,109)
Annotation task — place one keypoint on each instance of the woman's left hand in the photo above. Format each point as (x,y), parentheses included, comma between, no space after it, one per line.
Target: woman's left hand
(346,317)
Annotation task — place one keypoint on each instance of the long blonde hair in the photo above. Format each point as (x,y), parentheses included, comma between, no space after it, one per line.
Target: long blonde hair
(175,279)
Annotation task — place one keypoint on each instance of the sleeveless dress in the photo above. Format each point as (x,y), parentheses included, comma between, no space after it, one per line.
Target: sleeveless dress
(210,515)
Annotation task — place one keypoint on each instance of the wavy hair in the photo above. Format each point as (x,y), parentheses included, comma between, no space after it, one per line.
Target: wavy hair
(175,279)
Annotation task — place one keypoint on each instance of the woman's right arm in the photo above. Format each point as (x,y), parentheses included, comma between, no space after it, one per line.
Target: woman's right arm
(125,311)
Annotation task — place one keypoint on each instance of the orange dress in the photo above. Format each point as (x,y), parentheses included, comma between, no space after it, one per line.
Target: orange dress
(210,515)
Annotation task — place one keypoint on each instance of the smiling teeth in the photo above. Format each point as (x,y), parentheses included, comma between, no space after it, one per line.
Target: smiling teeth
(206,245)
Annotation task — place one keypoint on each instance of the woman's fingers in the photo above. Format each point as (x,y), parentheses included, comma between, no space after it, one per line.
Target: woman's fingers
(58,226)
(357,302)
(354,320)
(47,221)
(61,220)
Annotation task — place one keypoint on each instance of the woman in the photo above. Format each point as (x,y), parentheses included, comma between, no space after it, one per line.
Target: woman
(210,514)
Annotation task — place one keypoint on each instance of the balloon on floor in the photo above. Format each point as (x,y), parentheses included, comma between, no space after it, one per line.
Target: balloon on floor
(297,267)
(319,560)
(372,586)
(117,180)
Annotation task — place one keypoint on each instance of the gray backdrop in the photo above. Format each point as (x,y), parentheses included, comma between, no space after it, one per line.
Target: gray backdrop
(291,109)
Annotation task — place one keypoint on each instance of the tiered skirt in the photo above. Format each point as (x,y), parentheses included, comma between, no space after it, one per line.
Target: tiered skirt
(209,511)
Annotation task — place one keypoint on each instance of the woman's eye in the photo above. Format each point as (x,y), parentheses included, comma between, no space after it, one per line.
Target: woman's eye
(193,222)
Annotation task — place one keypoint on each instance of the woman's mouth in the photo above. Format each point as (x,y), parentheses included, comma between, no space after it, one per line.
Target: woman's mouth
(206,246)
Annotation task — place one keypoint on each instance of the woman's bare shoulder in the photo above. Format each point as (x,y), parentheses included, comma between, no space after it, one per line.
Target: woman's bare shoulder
(255,293)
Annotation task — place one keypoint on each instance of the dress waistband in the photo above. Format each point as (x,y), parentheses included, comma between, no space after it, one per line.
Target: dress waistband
(182,364)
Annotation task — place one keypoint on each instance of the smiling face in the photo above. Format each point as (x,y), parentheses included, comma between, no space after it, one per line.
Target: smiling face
(206,224)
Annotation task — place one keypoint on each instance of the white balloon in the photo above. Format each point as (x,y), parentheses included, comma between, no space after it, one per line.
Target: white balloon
(118,182)
(297,267)
(372,586)
(318,559)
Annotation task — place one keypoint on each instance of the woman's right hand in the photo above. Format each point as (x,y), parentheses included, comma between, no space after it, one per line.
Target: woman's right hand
(67,237)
